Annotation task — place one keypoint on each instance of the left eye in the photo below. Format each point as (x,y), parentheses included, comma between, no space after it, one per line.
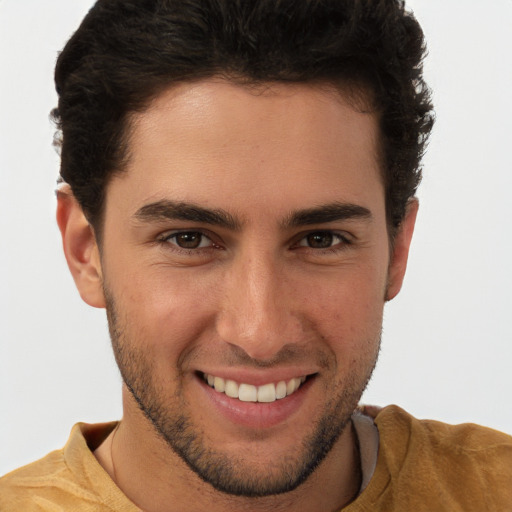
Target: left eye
(321,240)
(189,240)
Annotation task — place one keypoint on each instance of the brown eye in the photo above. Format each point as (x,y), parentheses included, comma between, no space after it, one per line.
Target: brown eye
(324,240)
(320,240)
(189,240)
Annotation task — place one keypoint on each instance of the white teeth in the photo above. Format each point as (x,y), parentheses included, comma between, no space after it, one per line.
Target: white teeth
(267,393)
(219,384)
(281,389)
(292,386)
(249,393)
(231,389)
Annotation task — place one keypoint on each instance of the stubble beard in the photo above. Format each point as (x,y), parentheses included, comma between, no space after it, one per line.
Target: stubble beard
(230,474)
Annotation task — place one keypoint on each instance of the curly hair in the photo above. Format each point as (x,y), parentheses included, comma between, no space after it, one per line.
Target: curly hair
(126,52)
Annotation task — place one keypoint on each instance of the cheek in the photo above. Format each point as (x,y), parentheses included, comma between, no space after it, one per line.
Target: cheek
(163,311)
(348,312)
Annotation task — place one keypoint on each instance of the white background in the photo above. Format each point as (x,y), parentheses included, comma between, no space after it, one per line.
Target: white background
(447,351)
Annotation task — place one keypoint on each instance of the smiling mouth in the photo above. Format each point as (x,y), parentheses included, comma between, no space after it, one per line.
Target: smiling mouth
(248,393)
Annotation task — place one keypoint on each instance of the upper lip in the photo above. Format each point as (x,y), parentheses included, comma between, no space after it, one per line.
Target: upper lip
(259,377)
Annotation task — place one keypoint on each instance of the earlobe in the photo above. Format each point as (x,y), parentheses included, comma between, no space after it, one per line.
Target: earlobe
(80,248)
(400,253)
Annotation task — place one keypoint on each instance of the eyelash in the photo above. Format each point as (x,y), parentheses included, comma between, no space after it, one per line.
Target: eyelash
(343,241)
(168,237)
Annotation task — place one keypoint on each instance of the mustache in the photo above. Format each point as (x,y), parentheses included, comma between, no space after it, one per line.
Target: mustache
(289,354)
(231,355)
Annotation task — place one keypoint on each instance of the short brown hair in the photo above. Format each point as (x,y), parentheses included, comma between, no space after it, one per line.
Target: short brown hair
(127,51)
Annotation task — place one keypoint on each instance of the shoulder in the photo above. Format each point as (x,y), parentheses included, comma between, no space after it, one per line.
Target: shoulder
(467,463)
(395,424)
(24,488)
(66,479)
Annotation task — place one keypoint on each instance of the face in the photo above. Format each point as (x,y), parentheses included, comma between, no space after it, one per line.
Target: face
(245,262)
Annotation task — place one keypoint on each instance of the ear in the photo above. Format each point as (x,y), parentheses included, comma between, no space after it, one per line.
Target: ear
(400,250)
(80,248)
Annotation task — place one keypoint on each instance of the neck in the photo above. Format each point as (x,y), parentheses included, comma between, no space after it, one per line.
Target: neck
(152,476)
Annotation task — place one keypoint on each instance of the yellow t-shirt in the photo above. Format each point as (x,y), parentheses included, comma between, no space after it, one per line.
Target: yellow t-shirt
(422,465)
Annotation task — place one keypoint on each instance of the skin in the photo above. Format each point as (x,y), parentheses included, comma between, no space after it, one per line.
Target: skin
(271,292)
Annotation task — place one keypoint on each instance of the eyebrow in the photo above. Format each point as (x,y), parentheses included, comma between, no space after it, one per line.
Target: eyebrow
(328,213)
(171,210)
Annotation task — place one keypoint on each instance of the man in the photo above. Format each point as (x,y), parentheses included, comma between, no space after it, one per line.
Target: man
(238,193)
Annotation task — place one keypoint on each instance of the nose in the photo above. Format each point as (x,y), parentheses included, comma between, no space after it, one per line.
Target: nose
(259,308)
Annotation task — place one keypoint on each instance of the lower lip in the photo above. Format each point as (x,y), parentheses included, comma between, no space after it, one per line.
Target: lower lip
(256,414)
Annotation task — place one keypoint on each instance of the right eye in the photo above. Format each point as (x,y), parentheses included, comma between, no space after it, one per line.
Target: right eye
(188,240)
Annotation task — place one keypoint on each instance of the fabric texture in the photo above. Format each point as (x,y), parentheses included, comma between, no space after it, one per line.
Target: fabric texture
(426,465)
(368,440)
(67,480)
(422,465)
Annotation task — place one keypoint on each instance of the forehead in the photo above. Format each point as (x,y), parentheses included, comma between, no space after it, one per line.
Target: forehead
(215,140)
